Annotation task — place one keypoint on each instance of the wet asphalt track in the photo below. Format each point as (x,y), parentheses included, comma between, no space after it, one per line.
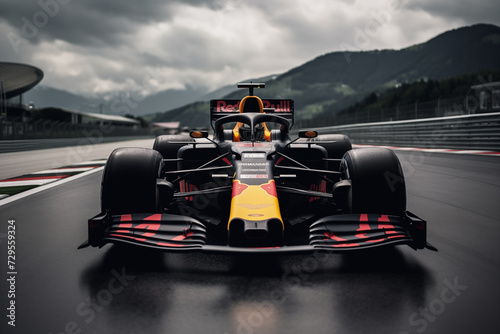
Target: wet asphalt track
(60,289)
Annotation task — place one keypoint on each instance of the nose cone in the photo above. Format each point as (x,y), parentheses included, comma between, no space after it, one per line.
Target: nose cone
(254,202)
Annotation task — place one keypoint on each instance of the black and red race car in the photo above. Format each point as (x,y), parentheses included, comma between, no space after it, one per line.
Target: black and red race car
(252,188)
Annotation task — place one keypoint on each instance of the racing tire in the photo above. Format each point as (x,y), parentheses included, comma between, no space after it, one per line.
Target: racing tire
(168,145)
(377,181)
(129,181)
(336,145)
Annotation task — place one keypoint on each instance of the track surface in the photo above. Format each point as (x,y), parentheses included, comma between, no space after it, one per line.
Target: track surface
(60,289)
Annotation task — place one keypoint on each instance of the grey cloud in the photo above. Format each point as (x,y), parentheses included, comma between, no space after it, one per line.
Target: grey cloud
(89,22)
(467,11)
(192,49)
(109,37)
(94,22)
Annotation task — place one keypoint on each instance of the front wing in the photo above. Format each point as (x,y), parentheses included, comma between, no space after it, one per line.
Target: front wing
(335,233)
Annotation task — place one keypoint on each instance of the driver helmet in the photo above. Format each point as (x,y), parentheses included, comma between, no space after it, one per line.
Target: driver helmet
(246,133)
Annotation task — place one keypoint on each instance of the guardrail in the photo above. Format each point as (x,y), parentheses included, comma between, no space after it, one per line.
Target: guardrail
(44,129)
(18,136)
(475,132)
(7,146)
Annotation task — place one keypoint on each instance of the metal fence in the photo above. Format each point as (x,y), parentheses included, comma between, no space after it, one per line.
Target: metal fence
(452,123)
(476,132)
(418,110)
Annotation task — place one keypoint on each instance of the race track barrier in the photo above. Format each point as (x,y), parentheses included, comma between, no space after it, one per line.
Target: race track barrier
(474,132)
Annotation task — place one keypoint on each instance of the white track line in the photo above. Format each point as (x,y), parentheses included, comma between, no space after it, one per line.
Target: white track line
(64,170)
(47,186)
(41,182)
(90,163)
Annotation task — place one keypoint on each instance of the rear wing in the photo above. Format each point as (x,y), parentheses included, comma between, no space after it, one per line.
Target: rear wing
(224,107)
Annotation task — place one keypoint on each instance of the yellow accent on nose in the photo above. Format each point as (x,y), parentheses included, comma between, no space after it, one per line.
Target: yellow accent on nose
(254,204)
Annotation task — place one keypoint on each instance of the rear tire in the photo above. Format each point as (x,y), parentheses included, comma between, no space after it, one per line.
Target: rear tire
(336,145)
(129,181)
(168,146)
(377,181)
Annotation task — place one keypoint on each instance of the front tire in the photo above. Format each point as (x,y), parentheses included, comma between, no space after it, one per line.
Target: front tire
(377,181)
(129,181)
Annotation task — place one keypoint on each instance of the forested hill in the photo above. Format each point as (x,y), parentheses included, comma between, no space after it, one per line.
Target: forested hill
(334,81)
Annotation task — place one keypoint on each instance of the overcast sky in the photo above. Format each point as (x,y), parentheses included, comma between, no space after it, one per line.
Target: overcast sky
(91,47)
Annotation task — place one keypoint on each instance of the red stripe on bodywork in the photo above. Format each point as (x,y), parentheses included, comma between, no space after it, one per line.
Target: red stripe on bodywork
(125,225)
(270,188)
(345,245)
(155,217)
(168,245)
(384,218)
(395,236)
(126,218)
(183,236)
(152,227)
(377,240)
(386,227)
(332,236)
(363,227)
(186,187)
(126,236)
(120,235)
(238,188)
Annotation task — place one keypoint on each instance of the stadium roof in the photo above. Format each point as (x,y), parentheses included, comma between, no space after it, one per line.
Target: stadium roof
(18,78)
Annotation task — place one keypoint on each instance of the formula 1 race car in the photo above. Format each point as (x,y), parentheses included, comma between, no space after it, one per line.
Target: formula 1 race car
(251,188)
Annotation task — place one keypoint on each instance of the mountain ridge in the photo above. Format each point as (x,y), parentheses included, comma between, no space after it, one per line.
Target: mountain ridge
(326,83)
(330,83)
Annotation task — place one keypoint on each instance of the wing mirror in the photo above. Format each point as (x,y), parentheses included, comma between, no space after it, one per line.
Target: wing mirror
(308,134)
(304,134)
(198,134)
